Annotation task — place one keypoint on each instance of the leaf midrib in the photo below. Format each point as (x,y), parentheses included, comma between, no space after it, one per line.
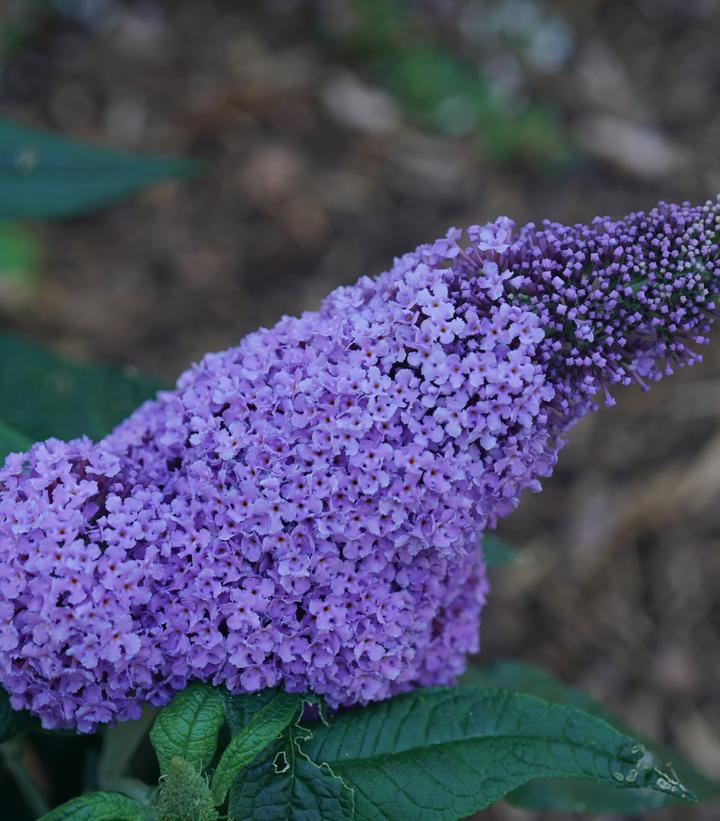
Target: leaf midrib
(191,724)
(476,739)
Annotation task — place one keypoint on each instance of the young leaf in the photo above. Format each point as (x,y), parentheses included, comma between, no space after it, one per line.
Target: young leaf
(100,806)
(184,794)
(12,721)
(577,796)
(188,727)
(44,394)
(265,726)
(11,441)
(283,784)
(497,552)
(447,752)
(43,175)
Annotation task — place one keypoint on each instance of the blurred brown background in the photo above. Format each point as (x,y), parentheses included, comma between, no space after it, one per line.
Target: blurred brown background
(336,134)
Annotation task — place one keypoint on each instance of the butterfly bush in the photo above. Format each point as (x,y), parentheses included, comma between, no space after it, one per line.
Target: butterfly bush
(305,509)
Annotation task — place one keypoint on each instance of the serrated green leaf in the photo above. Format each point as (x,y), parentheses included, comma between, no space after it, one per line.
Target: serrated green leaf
(498,552)
(447,752)
(577,796)
(11,441)
(99,806)
(264,727)
(44,394)
(283,784)
(12,721)
(188,727)
(44,175)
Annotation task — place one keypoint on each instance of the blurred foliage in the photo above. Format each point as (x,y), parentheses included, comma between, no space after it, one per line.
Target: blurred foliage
(20,23)
(447,91)
(47,176)
(19,254)
(12,721)
(497,552)
(45,394)
(11,441)
(44,176)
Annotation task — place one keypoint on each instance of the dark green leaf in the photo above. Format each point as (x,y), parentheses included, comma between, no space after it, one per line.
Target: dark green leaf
(11,441)
(188,727)
(44,394)
(99,806)
(12,721)
(559,794)
(283,784)
(448,752)
(43,175)
(240,709)
(265,726)
(497,552)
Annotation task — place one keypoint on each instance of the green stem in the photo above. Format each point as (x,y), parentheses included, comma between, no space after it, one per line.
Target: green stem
(12,758)
(119,746)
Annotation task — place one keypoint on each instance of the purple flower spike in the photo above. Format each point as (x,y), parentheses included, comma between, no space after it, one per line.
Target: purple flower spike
(304,509)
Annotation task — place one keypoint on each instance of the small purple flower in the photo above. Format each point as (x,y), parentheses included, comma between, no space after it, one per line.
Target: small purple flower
(491,279)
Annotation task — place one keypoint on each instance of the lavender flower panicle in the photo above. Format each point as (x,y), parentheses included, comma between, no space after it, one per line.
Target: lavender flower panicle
(304,509)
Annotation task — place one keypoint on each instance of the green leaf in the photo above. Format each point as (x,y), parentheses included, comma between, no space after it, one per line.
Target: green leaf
(283,784)
(11,441)
(12,721)
(559,794)
(498,552)
(99,806)
(448,752)
(240,709)
(43,394)
(265,726)
(188,727)
(43,175)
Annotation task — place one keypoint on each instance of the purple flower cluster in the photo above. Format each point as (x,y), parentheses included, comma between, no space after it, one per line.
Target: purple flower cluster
(304,509)
(78,551)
